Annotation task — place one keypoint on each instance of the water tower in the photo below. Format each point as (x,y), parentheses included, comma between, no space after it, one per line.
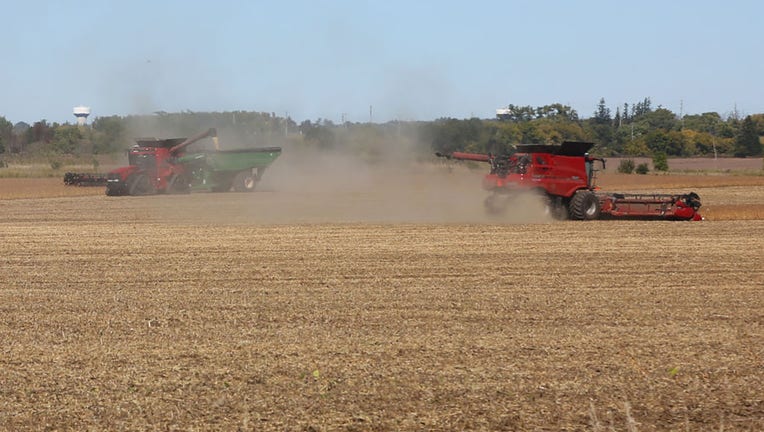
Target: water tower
(82,113)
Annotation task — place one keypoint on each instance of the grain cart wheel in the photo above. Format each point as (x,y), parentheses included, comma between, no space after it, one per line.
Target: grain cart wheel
(584,206)
(179,184)
(139,184)
(244,181)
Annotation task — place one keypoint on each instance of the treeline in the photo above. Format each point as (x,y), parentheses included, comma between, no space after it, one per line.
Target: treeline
(631,130)
(113,134)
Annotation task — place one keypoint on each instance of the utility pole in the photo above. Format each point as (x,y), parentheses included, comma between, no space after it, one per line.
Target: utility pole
(370,111)
(681,112)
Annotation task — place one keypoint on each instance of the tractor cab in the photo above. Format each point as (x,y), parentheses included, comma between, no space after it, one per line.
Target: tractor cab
(144,161)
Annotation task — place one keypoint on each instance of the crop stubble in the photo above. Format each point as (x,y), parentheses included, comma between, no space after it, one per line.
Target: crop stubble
(150,313)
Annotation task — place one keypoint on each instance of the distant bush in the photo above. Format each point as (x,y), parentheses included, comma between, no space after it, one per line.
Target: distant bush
(660,161)
(626,166)
(642,168)
(55,164)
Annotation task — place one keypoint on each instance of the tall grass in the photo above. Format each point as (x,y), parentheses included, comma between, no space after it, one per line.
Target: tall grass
(24,166)
(30,171)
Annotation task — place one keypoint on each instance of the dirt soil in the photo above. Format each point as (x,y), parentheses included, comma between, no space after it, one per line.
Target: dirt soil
(382,301)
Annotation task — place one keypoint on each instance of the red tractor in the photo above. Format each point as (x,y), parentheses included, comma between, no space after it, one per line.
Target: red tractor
(563,175)
(154,167)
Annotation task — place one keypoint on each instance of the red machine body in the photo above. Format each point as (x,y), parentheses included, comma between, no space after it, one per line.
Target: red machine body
(153,166)
(564,175)
(651,206)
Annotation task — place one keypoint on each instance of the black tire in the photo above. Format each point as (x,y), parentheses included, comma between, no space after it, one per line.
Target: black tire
(244,181)
(584,206)
(139,185)
(178,184)
(113,191)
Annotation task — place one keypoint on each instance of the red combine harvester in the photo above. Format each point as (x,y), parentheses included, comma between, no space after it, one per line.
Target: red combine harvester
(564,176)
(168,166)
(153,167)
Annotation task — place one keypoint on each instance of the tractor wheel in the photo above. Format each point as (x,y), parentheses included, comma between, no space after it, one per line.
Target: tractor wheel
(244,181)
(140,185)
(179,184)
(584,206)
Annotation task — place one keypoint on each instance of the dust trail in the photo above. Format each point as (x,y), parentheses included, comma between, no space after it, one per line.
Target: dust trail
(317,186)
(398,182)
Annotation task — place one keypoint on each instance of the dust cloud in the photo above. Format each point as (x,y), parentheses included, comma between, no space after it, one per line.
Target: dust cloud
(306,185)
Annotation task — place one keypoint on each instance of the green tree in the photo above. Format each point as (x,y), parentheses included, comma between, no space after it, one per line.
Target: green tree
(602,115)
(708,122)
(601,125)
(758,120)
(661,118)
(108,135)
(641,108)
(40,131)
(660,161)
(671,143)
(502,136)
(557,112)
(517,113)
(6,133)
(65,139)
(532,134)
(449,135)
(747,140)
(626,166)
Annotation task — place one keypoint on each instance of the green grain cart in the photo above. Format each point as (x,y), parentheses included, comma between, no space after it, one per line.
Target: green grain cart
(223,170)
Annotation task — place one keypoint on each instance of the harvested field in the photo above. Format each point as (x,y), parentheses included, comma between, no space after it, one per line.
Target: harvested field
(362,307)
(16,188)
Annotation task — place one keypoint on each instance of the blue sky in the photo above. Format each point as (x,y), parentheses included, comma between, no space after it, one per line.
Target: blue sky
(408,60)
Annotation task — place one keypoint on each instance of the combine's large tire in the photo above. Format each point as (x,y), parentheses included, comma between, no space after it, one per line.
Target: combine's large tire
(114,190)
(244,181)
(584,206)
(139,185)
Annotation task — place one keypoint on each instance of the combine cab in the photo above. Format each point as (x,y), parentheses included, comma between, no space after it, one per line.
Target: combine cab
(563,175)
